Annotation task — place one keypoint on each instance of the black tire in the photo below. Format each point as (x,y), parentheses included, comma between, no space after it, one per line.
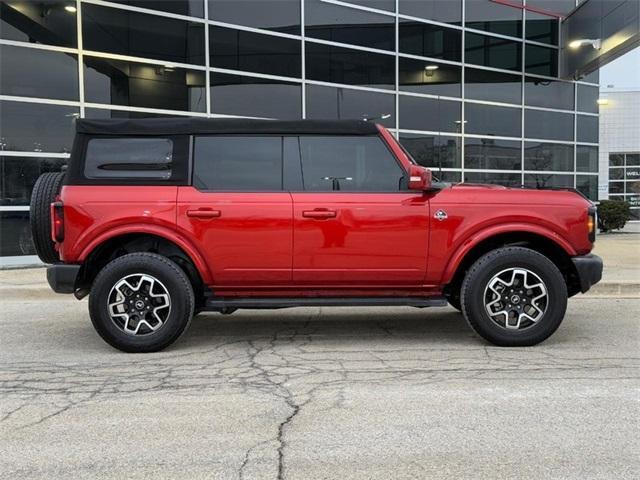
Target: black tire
(503,259)
(171,278)
(44,193)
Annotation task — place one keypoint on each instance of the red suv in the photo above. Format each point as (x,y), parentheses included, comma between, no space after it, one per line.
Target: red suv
(156,219)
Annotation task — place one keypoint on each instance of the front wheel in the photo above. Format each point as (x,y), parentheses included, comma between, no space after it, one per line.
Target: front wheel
(514,296)
(141,302)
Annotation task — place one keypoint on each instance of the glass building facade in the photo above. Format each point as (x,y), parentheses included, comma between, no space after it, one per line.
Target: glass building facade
(470,87)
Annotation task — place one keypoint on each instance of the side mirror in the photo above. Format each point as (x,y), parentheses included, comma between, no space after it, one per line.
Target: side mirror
(419,178)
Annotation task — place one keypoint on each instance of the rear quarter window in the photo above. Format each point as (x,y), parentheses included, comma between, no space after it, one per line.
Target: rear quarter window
(129,158)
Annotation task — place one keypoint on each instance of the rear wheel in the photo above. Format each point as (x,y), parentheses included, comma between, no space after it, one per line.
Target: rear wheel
(141,302)
(514,296)
(45,190)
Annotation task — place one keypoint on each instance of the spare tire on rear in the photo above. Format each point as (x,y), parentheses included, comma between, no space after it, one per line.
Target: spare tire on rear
(45,190)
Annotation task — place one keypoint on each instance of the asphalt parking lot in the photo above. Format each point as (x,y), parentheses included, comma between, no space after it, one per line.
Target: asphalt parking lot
(320,393)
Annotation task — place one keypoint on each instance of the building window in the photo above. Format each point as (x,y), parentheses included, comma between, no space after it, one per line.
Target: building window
(277,15)
(492,120)
(492,154)
(44,22)
(430,114)
(624,180)
(433,151)
(427,40)
(493,52)
(426,76)
(493,17)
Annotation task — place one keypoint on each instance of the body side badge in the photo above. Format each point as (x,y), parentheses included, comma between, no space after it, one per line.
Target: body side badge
(440,215)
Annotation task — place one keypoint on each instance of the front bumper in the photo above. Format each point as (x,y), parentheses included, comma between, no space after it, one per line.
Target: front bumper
(62,278)
(589,268)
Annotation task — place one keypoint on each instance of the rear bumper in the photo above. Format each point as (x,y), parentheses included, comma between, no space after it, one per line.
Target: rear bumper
(62,278)
(589,268)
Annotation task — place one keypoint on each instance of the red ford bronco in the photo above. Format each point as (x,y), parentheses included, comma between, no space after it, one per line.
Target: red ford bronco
(156,219)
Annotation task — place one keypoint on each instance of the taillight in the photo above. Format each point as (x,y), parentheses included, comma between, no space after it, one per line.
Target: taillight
(57,221)
(592,223)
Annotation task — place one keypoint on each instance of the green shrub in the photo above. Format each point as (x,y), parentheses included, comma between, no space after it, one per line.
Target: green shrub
(613,214)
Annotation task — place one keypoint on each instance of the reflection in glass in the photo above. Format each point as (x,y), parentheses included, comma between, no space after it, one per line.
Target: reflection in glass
(255,97)
(19,174)
(117,82)
(493,17)
(30,72)
(616,187)
(105,113)
(254,52)
(616,159)
(189,8)
(492,86)
(556,157)
(424,76)
(433,151)
(489,153)
(429,114)
(337,103)
(492,120)
(632,159)
(389,5)
(125,32)
(342,24)
(548,180)
(34,127)
(588,98)
(493,52)
(352,67)
(548,125)
(15,234)
(542,28)
(586,159)
(540,92)
(587,129)
(588,185)
(44,21)
(506,179)
(445,11)
(427,40)
(616,174)
(541,60)
(277,15)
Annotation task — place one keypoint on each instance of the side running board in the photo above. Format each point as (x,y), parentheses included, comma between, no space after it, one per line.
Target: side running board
(223,304)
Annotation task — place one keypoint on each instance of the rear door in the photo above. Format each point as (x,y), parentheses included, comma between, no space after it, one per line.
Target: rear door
(237,210)
(355,222)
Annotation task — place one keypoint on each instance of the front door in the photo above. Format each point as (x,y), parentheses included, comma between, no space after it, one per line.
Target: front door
(237,210)
(355,223)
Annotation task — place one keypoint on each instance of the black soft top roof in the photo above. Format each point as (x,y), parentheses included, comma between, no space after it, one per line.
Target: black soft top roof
(190,125)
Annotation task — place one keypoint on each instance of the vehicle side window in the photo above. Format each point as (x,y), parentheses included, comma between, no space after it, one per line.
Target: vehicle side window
(129,158)
(238,163)
(349,163)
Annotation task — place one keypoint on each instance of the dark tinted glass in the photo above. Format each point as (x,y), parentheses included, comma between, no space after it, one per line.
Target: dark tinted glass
(488,153)
(548,125)
(434,151)
(586,159)
(541,60)
(616,174)
(616,159)
(29,72)
(351,164)
(453,177)
(238,163)
(140,158)
(124,32)
(587,127)
(542,28)
(44,21)
(254,52)
(117,82)
(348,25)
(493,52)
(546,180)
(342,103)
(548,156)
(430,114)
(109,113)
(493,17)
(492,86)
(389,5)
(616,187)
(190,8)
(492,120)
(426,40)
(507,179)
(588,185)
(352,67)
(255,97)
(539,92)
(19,174)
(424,76)
(588,98)
(632,159)
(446,11)
(278,15)
(33,127)
(15,234)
